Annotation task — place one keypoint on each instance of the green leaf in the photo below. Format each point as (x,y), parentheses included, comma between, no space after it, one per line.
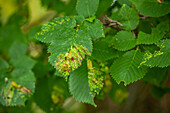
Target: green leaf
(24,62)
(11,95)
(152,8)
(87,8)
(128,17)
(102,52)
(95,29)
(17,50)
(56,28)
(118,92)
(104,5)
(126,68)
(160,58)
(156,76)
(157,34)
(124,40)
(78,85)
(63,44)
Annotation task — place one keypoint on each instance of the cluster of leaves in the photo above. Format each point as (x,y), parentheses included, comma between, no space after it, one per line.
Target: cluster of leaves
(91,57)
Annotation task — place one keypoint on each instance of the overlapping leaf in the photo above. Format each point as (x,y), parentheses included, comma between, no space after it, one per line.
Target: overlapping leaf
(124,40)
(128,17)
(159,58)
(157,34)
(78,85)
(87,7)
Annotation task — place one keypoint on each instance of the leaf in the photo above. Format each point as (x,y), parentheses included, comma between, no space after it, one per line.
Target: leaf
(118,92)
(156,76)
(78,85)
(9,34)
(160,58)
(95,29)
(157,34)
(17,50)
(103,7)
(126,67)
(152,8)
(60,25)
(15,95)
(62,33)
(24,62)
(87,8)
(63,44)
(102,52)
(128,17)
(159,92)
(124,40)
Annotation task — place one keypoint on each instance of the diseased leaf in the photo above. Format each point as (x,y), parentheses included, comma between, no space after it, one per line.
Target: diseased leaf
(17,50)
(18,88)
(126,68)
(159,58)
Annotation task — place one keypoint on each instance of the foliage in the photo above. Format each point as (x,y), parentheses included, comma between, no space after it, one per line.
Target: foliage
(84,53)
